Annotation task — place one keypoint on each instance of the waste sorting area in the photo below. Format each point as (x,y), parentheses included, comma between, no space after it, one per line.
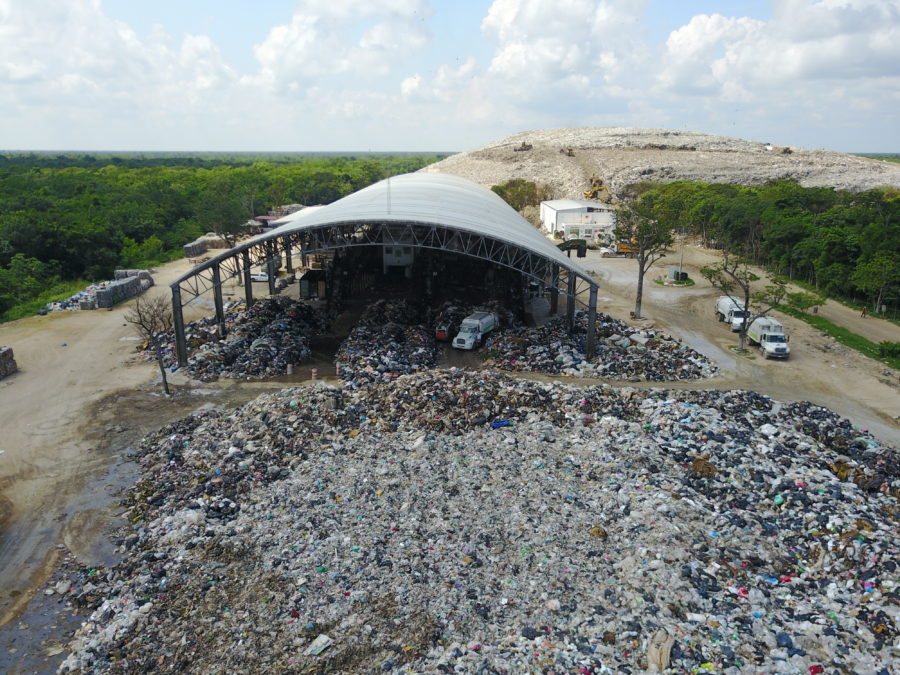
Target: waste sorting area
(396,337)
(261,340)
(453,521)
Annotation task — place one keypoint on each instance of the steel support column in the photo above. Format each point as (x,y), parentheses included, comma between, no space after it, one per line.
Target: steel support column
(270,266)
(592,323)
(288,253)
(217,300)
(178,317)
(554,290)
(570,302)
(248,282)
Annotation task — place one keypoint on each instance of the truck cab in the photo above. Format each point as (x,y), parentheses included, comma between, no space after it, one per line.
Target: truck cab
(731,311)
(473,329)
(768,333)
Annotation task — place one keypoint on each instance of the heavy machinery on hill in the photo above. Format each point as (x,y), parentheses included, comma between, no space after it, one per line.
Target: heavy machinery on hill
(523,148)
(598,190)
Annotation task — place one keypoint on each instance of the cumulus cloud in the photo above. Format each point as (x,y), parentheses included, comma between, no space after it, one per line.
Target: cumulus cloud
(72,54)
(315,43)
(805,42)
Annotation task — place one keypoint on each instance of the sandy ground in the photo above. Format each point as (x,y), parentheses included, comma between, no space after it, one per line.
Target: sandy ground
(49,437)
(82,396)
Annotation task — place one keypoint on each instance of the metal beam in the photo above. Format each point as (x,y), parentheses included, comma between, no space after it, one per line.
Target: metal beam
(554,290)
(592,323)
(178,317)
(248,282)
(217,300)
(570,303)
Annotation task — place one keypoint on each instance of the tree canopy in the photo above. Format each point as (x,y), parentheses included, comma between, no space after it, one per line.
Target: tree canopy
(68,218)
(841,243)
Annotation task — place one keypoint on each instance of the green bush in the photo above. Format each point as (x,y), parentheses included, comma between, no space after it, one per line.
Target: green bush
(888,350)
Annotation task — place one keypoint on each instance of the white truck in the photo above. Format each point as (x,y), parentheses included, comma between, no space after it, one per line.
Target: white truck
(732,311)
(473,329)
(768,333)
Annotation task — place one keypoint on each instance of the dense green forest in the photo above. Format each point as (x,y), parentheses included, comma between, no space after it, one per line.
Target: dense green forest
(844,244)
(76,218)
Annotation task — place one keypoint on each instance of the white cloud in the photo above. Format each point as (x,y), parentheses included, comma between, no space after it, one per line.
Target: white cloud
(317,43)
(336,70)
(71,56)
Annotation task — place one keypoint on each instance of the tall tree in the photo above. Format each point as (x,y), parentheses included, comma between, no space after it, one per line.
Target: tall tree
(878,277)
(220,211)
(636,223)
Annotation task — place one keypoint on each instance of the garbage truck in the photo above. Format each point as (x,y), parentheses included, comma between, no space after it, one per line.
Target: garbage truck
(473,329)
(732,311)
(768,333)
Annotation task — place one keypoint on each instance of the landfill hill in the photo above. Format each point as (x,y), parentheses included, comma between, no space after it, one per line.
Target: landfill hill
(622,156)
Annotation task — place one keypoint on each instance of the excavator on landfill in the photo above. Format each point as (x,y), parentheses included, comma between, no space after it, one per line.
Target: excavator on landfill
(568,152)
(523,148)
(598,190)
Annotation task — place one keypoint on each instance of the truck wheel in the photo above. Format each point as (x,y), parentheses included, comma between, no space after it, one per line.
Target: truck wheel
(720,316)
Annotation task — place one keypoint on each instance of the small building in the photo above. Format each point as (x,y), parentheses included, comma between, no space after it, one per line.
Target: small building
(578,219)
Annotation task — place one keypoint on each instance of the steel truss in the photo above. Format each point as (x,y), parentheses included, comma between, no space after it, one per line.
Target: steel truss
(265,251)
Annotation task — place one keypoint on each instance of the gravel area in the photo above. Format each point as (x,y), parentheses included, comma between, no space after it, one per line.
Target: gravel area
(459,522)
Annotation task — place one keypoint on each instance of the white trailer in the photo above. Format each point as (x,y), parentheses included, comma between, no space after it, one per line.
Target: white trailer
(732,311)
(768,333)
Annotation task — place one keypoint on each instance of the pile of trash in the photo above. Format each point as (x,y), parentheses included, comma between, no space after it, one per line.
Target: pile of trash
(622,352)
(452,521)
(387,342)
(261,341)
(7,362)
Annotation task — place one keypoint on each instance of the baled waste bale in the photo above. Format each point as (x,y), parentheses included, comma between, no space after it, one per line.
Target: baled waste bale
(453,521)
(7,362)
(386,342)
(622,352)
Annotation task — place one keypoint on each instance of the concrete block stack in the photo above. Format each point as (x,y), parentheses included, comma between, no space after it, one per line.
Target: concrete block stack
(118,291)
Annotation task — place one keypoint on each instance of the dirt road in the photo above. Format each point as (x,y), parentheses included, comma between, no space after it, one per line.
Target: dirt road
(67,362)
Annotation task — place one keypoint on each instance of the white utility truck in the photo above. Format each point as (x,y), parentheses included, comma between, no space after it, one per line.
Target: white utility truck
(473,329)
(768,333)
(732,311)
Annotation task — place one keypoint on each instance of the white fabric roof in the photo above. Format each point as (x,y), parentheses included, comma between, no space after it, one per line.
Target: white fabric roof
(434,198)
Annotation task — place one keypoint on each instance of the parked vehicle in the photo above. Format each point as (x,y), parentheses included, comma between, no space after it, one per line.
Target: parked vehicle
(732,311)
(768,333)
(259,276)
(473,329)
(621,249)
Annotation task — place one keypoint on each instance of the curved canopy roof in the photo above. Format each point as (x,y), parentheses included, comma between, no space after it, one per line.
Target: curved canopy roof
(433,198)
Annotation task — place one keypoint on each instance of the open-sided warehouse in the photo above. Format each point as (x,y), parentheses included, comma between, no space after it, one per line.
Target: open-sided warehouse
(412,212)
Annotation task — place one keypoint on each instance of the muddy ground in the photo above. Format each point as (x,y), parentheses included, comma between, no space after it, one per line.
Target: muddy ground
(83,397)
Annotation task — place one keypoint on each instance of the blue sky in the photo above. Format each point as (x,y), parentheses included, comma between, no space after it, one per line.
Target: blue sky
(440,75)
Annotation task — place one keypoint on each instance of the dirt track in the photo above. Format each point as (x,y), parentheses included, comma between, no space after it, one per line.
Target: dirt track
(63,424)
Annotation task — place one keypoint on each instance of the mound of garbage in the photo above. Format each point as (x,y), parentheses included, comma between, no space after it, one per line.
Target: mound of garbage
(452,521)
(261,341)
(622,352)
(388,341)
